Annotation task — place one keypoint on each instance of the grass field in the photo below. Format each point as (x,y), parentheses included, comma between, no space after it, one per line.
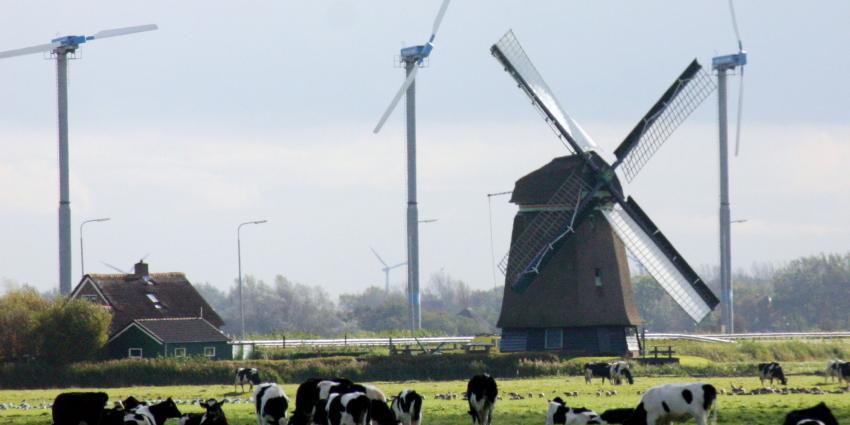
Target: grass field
(752,410)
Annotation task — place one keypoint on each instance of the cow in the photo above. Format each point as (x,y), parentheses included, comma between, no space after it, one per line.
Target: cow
(481,393)
(213,415)
(130,403)
(675,402)
(155,414)
(270,404)
(73,408)
(833,370)
(618,371)
(816,415)
(348,409)
(244,375)
(596,370)
(113,415)
(617,416)
(771,371)
(407,407)
(561,414)
(381,414)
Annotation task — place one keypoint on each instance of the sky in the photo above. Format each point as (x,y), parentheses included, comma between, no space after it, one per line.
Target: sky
(238,111)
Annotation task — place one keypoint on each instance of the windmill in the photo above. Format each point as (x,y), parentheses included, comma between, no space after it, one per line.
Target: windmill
(723,64)
(412,58)
(386,269)
(60,48)
(567,281)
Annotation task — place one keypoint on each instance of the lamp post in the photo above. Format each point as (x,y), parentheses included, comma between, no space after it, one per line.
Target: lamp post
(82,257)
(239,257)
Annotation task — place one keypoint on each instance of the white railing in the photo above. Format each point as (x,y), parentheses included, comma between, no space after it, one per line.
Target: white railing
(355,342)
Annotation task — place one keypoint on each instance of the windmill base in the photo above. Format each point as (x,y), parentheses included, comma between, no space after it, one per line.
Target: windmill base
(580,341)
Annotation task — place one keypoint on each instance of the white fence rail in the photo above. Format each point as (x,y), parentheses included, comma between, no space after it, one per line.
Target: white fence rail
(744,336)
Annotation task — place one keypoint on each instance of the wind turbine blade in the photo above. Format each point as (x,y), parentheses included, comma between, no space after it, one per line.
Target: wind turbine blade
(113,267)
(29,50)
(378,256)
(122,31)
(735,25)
(740,109)
(398,265)
(407,83)
(439,19)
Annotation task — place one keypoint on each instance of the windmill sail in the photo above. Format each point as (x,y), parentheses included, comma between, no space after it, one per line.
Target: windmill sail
(692,87)
(509,52)
(658,256)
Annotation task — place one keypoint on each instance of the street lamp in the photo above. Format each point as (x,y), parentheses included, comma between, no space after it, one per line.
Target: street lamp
(239,256)
(82,257)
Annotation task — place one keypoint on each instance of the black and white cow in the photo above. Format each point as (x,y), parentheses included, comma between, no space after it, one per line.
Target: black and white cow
(675,402)
(155,414)
(407,407)
(381,414)
(73,408)
(618,371)
(561,414)
(348,409)
(596,370)
(481,393)
(244,375)
(833,369)
(771,371)
(270,404)
(617,416)
(817,415)
(213,415)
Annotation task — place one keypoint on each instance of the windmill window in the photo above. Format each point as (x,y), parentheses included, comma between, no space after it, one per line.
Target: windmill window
(134,353)
(554,339)
(597,279)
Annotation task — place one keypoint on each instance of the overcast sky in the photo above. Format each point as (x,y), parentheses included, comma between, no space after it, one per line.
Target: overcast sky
(264,110)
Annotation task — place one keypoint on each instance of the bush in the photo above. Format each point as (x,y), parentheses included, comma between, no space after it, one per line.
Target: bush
(18,311)
(71,331)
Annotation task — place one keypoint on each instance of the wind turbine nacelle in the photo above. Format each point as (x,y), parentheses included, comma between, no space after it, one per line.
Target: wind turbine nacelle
(416,52)
(70,40)
(729,61)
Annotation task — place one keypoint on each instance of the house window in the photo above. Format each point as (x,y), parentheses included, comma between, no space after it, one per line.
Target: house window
(90,298)
(209,352)
(598,277)
(134,353)
(180,352)
(554,339)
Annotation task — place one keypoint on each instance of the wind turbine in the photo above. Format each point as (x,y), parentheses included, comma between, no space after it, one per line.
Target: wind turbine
(412,57)
(722,64)
(386,269)
(60,48)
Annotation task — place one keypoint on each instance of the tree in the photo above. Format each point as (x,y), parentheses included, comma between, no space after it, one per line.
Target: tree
(71,330)
(811,293)
(18,311)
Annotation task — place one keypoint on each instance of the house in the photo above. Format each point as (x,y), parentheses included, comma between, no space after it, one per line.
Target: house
(154,315)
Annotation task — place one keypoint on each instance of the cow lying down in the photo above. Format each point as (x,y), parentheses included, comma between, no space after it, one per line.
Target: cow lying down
(675,402)
(561,414)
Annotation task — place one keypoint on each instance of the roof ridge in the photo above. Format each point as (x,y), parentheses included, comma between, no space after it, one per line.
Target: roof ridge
(170,318)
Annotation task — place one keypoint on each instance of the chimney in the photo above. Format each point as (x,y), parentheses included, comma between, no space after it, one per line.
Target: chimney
(141,269)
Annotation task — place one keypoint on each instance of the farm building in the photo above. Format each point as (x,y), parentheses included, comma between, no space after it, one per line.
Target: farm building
(161,311)
(582,301)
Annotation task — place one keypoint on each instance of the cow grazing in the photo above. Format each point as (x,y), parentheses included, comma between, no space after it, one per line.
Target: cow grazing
(771,371)
(348,409)
(596,370)
(675,402)
(73,408)
(617,416)
(244,375)
(561,414)
(407,407)
(816,415)
(381,414)
(481,393)
(270,404)
(833,370)
(155,414)
(618,371)
(305,401)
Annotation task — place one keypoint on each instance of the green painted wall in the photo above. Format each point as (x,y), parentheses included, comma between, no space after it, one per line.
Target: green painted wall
(222,349)
(135,338)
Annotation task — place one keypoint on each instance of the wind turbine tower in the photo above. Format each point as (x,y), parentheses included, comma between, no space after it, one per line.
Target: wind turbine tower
(60,48)
(413,58)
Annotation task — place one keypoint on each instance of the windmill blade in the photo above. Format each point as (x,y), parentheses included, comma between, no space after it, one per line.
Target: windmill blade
(544,234)
(122,31)
(510,53)
(439,19)
(378,257)
(642,237)
(407,82)
(398,265)
(689,90)
(29,50)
